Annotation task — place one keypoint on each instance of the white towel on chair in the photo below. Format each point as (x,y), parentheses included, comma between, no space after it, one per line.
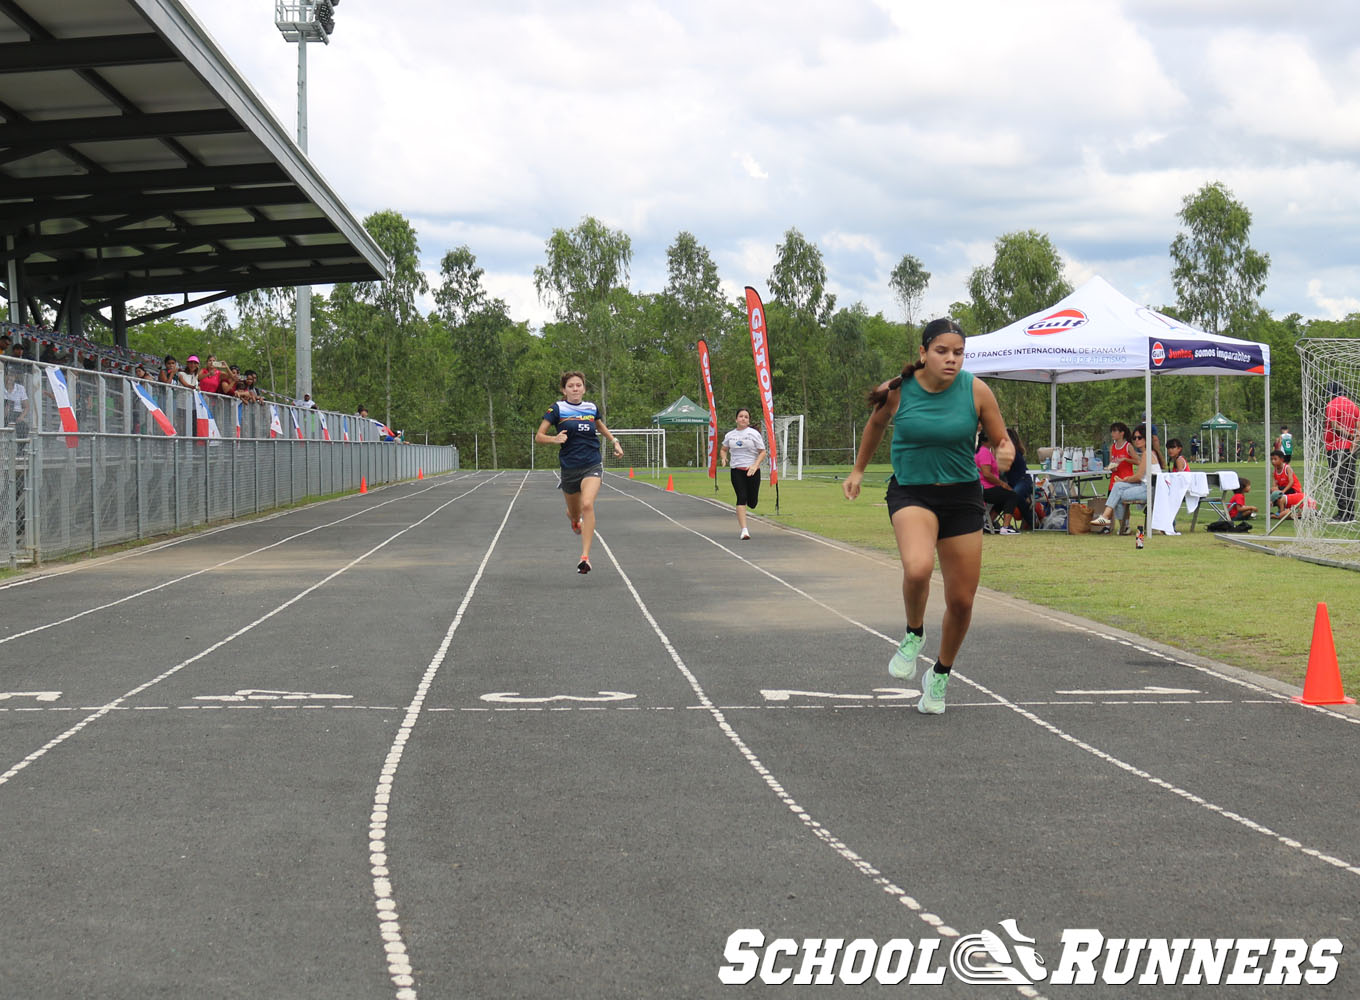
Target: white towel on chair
(1171,489)
(1199,489)
(1228,479)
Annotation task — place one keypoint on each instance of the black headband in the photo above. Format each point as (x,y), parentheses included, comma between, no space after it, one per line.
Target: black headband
(936,327)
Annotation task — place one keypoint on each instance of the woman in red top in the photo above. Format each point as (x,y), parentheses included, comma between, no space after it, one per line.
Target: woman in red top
(211,378)
(1122,454)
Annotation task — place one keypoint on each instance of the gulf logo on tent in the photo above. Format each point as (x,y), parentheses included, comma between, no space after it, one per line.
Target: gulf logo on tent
(1158,354)
(1058,322)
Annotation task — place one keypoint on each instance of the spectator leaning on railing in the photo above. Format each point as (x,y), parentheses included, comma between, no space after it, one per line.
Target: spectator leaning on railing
(210,380)
(17,407)
(246,391)
(188,376)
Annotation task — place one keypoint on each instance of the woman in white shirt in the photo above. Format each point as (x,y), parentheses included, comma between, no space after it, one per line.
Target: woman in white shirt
(744,449)
(1131,489)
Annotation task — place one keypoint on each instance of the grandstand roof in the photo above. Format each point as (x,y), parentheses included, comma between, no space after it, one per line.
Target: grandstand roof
(135,160)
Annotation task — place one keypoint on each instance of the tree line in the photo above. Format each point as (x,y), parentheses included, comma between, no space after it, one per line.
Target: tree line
(467,371)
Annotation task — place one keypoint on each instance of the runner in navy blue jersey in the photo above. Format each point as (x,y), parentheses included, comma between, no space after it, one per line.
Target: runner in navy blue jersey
(578,426)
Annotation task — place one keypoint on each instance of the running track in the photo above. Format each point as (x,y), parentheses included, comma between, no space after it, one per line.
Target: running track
(394,746)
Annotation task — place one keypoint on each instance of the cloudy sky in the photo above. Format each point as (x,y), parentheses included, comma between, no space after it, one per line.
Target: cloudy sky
(876,127)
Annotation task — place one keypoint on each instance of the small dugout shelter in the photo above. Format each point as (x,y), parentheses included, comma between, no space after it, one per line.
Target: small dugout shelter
(1209,437)
(684,412)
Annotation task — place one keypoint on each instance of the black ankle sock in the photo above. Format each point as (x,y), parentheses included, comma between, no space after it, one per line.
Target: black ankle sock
(941,668)
(920,630)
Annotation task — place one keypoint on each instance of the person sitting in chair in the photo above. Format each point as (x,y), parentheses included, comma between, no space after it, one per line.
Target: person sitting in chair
(1132,490)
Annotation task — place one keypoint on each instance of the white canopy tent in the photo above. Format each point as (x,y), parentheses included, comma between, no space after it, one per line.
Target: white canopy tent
(1097,333)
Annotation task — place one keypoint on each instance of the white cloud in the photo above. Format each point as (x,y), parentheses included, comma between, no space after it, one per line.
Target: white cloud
(753,169)
(1273,85)
(1332,308)
(881,127)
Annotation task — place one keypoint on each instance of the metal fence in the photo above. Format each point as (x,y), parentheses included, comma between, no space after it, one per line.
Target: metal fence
(119,477)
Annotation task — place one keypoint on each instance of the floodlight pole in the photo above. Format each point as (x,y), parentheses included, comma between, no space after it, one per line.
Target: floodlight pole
(303,341)
(297,21)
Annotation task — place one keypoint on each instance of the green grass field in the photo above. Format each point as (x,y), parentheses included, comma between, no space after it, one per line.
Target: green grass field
(1195,592)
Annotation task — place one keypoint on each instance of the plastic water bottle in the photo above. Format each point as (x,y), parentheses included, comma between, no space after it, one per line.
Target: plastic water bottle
(1067,459)
(1138,538)
(1090,462)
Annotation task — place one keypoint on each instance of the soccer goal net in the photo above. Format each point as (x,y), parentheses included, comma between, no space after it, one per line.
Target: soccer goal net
(644,449)
(1325,525)
(790,457)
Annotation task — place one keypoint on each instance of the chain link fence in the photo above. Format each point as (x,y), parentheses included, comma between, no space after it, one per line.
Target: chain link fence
(120,477)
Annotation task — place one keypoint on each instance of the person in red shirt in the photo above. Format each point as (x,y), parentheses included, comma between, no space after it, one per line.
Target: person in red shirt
(1122,454)
(1174,457)
(210,379)
(1288,493)
(1338,441)
(1237,503)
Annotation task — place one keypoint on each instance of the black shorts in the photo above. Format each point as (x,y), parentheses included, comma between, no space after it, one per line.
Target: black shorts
(571,478)
(957,506)
(746,487)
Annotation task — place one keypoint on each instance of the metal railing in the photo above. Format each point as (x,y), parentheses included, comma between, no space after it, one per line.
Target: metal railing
(119,477)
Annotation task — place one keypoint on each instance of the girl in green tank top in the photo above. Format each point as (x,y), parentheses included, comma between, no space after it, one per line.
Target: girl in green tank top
(933,433)
(934,498)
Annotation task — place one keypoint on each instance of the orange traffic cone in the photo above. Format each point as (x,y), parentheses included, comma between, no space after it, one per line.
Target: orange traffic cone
(630,473)
(1322,684)
(420,473)
(363,484)
(670,484)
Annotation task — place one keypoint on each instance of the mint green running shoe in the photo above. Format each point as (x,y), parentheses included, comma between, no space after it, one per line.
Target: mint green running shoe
(903,663)
(932,695)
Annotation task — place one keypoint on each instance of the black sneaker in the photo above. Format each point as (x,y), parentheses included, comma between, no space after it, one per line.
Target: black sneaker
(583,567)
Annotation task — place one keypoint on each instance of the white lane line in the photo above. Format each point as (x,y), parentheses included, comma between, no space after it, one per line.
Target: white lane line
(389,926)
(1218,810)
(935,922)
(1028,608)
(209,569)
(780,707)
(97,562)
(118,702)
(1283,699)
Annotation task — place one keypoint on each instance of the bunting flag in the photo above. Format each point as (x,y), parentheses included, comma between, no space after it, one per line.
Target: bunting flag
(206,426)
(297,427)
(157,414)
(344,428)
(706,368)
(68,415)
(275,424)
(385,432)
(760,350)
(239,406)
(325,430)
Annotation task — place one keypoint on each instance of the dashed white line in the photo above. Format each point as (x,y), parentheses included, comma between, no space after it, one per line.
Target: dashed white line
(1055,730)
(819,830)
(399,968)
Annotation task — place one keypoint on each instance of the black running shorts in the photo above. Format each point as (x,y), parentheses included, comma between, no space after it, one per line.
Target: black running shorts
(571,478)
(957,506)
